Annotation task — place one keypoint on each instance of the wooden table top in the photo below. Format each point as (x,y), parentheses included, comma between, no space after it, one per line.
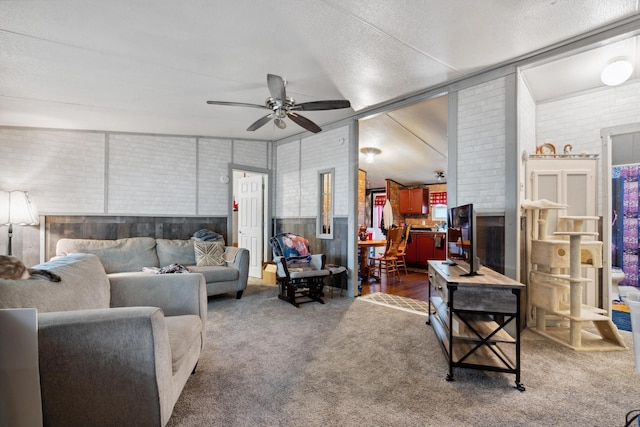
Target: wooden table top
(371,243)
(487,277)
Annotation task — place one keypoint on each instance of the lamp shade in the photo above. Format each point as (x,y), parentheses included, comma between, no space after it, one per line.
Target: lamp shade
(16,207)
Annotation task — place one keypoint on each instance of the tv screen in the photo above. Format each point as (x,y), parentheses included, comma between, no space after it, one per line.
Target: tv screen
(462,218)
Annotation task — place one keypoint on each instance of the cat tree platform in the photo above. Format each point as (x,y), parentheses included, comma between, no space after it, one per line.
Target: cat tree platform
(557,296)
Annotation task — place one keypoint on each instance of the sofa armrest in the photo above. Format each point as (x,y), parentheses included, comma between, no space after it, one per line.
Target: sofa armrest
(105,367)
(175,294)
(241,263)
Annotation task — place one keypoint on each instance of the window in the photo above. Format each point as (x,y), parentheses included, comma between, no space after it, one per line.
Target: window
(325,210)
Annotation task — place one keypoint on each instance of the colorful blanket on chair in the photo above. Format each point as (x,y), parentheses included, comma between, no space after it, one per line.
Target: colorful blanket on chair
(291,246)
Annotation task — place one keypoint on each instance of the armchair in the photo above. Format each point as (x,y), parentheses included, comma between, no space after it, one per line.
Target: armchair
(298,272)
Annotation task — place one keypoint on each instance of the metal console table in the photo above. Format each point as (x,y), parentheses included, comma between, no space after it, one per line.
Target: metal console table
(470,314)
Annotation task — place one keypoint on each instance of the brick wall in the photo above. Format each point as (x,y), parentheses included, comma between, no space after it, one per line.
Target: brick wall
(298,163)
(63,171)
(151,175)
(362,196)
(481,145)
(578,120)
(214,156)
(98,173)
(393,195)
(287,185)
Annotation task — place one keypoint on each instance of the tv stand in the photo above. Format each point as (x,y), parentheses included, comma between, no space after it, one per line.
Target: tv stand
(473,273)
(469,315)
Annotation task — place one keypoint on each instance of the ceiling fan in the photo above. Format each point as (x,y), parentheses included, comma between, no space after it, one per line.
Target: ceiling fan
(282,106)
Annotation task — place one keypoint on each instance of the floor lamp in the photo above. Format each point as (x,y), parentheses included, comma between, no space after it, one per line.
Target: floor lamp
(17,208)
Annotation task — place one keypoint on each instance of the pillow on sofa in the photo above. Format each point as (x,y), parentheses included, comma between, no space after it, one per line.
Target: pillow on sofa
(175,251)
(208,253)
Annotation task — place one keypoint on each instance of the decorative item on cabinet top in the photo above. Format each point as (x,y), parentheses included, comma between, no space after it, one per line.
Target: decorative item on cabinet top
(548,151)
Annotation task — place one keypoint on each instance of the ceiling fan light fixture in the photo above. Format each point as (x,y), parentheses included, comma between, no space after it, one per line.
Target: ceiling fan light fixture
(439,175)
(616,72)
(370,153)
(280,124)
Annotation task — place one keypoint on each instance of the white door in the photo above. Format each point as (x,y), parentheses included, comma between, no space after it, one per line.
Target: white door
(250,221)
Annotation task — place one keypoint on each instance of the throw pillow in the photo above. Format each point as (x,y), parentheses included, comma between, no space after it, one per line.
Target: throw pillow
(208,253)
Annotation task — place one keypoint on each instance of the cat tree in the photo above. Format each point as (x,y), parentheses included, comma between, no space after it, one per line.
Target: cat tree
(556,283)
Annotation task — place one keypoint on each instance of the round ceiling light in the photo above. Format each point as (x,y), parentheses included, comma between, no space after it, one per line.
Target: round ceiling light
(616,72)
(370,153)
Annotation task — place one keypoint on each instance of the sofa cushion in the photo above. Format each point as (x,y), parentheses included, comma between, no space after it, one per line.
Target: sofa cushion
(83,285)
(172,251)
(129,254)
(184,332)
(216,273)
(209,254)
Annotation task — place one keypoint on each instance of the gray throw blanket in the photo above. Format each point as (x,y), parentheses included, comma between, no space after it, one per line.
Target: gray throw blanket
(207,236)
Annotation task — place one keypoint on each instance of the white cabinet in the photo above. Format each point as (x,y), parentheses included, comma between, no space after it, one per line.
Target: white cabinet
(572,182)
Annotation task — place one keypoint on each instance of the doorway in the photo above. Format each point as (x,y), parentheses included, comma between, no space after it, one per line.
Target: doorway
(618,137)
(250,214)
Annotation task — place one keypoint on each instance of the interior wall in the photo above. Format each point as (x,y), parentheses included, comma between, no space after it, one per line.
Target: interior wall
(481,145)
(111,173)
(578,120)
(296,188)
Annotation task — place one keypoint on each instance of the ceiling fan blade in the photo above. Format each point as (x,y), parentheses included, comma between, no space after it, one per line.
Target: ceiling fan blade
(323,105)
(235,104)
(304,122)
(276,87)
(260,122)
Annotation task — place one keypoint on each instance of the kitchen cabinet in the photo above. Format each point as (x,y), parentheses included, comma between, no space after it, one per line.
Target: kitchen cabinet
(426,246)
(413,201)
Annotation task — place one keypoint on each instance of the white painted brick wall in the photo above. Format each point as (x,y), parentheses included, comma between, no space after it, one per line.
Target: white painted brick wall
(152,175)
(481,145)
(323,151)
(213,159)
(526,130)
(287,185)
(578,120)
(298,164)
(250,153)
(147,175)
(63,171)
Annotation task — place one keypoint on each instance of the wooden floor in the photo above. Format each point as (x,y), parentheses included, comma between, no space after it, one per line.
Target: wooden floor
(413,285)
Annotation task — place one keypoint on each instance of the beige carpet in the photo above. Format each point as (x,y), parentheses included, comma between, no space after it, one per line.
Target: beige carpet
(350,362)
(399,303)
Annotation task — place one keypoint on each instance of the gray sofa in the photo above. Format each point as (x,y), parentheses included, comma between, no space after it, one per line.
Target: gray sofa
(123,259)
(111,352)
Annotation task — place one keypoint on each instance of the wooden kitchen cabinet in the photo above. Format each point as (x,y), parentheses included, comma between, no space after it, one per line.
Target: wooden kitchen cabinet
(414,201)
(423,248)
(411,254)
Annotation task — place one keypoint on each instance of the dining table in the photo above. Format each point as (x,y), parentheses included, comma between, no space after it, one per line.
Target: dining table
(363,248)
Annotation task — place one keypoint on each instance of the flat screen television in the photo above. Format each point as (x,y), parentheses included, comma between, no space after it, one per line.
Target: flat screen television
(463,219)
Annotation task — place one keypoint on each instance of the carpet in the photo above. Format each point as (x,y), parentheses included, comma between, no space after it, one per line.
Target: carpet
(397,302)
(349,362)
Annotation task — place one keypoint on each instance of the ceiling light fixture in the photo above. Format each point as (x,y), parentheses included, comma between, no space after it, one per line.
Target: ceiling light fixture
(439,176)
(279,123)
(370,153)
(617,71)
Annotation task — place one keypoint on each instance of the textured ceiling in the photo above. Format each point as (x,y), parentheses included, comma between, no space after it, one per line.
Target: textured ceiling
(150,67)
